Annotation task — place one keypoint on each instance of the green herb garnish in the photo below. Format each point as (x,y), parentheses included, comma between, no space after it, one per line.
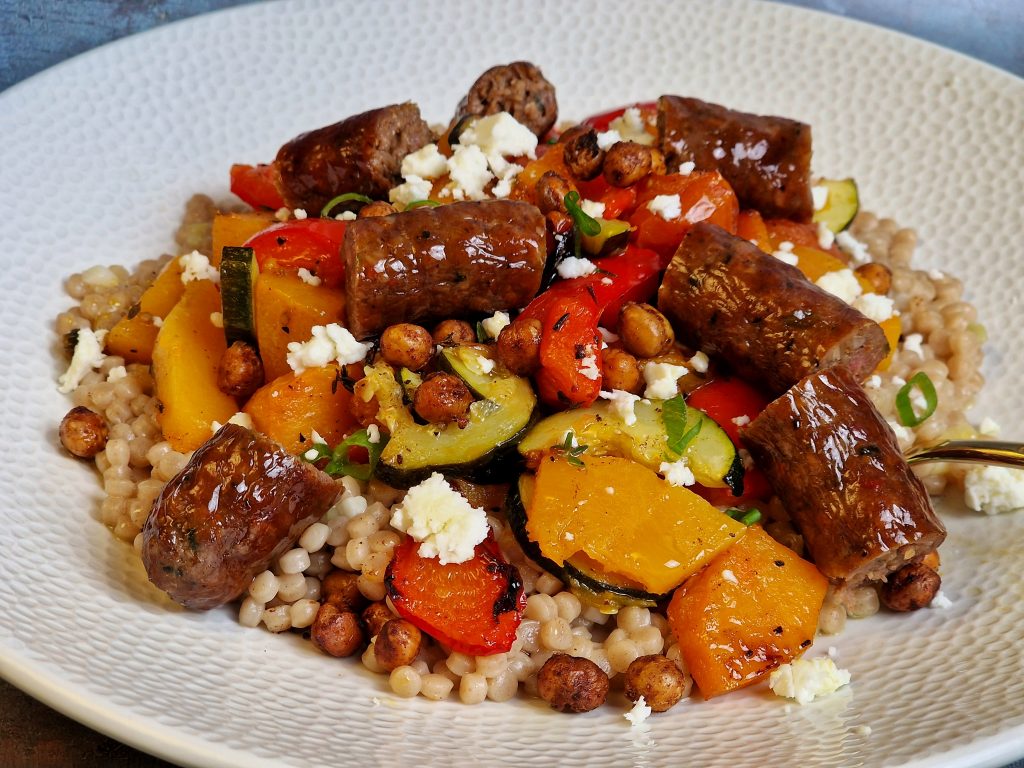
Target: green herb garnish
(673,416)
(746,516)
(348,197)
(481,333)
(421,204)
(585,223)
(909,417)
(339,464)
(572,453)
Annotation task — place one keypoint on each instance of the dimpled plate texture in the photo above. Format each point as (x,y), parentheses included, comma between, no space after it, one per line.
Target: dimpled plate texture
(98,156)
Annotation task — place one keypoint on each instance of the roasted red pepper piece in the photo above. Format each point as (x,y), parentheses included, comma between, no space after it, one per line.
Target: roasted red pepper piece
(257,185)
(311,243)
(473,607)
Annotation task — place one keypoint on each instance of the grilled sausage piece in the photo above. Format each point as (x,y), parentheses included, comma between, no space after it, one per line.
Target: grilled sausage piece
(362,153)
(239,502)
(518,88)
(431,263)
(760,315)
(835,464)
(767,160)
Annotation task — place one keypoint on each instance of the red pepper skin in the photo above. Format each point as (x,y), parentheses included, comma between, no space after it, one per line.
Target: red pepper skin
(311,243)
(601,121)
(257,185)
(473,607)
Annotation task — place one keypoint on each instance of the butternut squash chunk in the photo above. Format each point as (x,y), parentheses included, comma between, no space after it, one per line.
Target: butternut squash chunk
(134,335)
(892,329)
(286,310)
(624,517)
(185,359)
(235,229)
(290,408)
(752,609)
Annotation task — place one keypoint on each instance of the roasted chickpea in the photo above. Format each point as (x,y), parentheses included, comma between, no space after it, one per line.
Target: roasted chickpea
(443,398)
(341,589)
(644,331)
(559,223)
(571,684)
(583,157)
(551,192)
(571,133)
(364,404)
(454,332)
(397,644)
(877,274)
(83,432)
(337,632)
(621,371)
(518,347)
(405,345)
(658,167)
(658,680)
(376,208)
(913,586)
(375,616)
(626,162)
(240,372)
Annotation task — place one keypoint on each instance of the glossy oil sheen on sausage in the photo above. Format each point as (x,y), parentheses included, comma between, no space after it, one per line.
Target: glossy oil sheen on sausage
(836,466)
(430,264)
(761,315)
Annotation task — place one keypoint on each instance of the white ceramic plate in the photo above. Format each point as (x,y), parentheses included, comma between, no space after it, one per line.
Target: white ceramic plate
(97,157)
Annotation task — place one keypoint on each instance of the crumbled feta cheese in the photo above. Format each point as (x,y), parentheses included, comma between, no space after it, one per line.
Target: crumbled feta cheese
(217,319)
(718,153)
(606,281)
(685,169)
(607,336)
(741,421)
(299,213)
(311,454)
(572,266)
(819,194)
(729,576)
(412,189)
(994,489)
(492,325)
(936,274)
(101,277)
(841,283)
(447,526)
(426,163)
(701,210)
(158,322)
(589,367)
(373,433)
(875,306)
(308,277)
(677,472)
(630,126)
(622,404)
(786,246)
(672,563)
(661,380)
(667,207)
(904,436)
(346,216)
(989,427)
(638,713)
(592,208)
(117,373)
(499,136)
(805,680)
(853,247)
(484,364)
(240,418)
(282,214)
(327,344)
(912,343)
(88,354)
(195,266)
(503,188)
(469,172)
(316,437)
(825,236)
(609,490)
(874,382)
(940,601)
(786,257)
(607,138)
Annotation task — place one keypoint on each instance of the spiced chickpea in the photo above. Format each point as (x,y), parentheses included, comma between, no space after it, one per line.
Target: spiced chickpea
(644,331)
(518,347)
(405,345)
(83,432)
(364,404)
(658,167)
(443,398)
(337,632)
(571,684)
(571,133)
(240,372)
(583,157)
(559,223)
(375,616)
(626,162)
(454,332)
(341,589)
(620,371)
(658,679)
(877,274)
(551,192)
(911,587)
(397,644)
(376,208)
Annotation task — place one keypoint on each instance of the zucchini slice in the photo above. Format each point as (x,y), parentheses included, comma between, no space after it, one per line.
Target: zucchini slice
(711,455)
(841,205)
(614,233)
(483,451)
(238,273)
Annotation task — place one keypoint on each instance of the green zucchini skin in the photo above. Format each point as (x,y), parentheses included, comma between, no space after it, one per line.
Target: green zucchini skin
(238,272)
(842,204)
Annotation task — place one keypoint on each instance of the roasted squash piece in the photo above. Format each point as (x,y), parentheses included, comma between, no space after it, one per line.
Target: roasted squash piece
(235,229)
(752,609)
(134,335)
(290,408)
(185,359)
(892,329)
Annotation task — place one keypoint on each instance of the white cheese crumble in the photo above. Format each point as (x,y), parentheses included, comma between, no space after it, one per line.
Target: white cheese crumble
(495,323)
(311,454)
(414,188)
(912,343)
(622,405)
(786,257)
(447,526)
(639,712)
(841,283)
(592,208)
(308,277)
(630,126)
(607,138)
(484,364)
(469,172)
(805,680)
(88,354)
(373,433)
(699,362)
(742,151)
(589,367)
(327,344)
(677,473)
(346,216)
(217,319)
(825,236)
(904,436)
(117,373)
(240,418)
(667,207)
(875,306)
(610,491)
(661,380)
(819,194)
(989,427)
(195,266)
(158,322)
(741,421)
(728,575)
(672,563)
(718,153)
(993,490)
(103,277)
(499,136)
(940,601)
(853,247)
(572,266)
(685,169)
(607,336)
(299,213)
(426,162)
(874,381)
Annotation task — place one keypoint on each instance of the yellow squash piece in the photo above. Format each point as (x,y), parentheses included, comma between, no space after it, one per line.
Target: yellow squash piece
(185,359)
(891,328)
(623,517)
(134,335)
(235,229)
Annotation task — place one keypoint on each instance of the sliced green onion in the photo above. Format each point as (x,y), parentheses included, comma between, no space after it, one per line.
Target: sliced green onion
(585,223)
(348,197)
(745,516)
(339,464)
(909,417)
(673,416)
(421,203)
